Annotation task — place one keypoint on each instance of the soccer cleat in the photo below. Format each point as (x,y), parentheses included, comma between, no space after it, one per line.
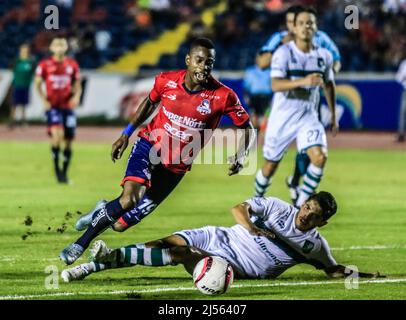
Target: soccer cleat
(77,273)
(84,221)
(71,253)
(293,190)
(101,253)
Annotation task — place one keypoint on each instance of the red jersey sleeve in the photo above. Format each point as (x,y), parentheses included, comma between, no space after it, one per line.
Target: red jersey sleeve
(76,71)
(40,70)
(235,110)
(155,94)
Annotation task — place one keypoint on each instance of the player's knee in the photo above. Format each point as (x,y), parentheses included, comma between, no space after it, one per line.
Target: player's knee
(128,201)
(119,227)
(320,159)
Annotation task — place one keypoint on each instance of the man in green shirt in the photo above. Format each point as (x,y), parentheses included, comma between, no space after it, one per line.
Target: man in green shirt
(23,73)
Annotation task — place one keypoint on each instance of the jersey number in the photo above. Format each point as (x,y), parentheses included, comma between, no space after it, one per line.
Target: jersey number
(312,135)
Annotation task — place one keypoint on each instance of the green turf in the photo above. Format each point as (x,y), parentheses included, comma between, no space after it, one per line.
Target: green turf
(369,186)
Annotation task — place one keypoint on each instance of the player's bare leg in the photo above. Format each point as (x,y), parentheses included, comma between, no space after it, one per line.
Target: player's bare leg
(103,218)
(263,177)
(313,175)
(57,136)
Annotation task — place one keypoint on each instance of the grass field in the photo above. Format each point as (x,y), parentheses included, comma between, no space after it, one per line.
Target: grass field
(369,230)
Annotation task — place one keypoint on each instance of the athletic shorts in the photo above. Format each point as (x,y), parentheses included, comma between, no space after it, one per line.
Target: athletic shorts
(233,244)
(159,181)
(280,133)
(21,96)
(63,118)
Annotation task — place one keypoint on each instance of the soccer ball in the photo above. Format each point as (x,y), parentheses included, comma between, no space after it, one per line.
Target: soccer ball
(213,275)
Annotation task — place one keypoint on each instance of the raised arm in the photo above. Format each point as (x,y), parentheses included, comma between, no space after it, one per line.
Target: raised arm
(144,111)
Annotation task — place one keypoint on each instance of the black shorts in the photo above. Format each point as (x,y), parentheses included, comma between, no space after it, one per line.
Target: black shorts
(63,118)
(161,182)
(259,103)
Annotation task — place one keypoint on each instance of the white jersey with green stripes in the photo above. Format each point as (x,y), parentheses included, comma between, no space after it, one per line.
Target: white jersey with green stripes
(258,256)
(289,62)
(293,114)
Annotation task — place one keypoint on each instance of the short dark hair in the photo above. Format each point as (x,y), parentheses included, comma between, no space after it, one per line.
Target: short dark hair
(294,9)
(310,10)
(201,42)
(326,202)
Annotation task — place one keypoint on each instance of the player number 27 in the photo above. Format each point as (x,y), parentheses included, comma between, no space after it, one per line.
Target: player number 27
(313,135)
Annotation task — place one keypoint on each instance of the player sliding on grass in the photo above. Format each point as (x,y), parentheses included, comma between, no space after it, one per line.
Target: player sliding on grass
(191,101)
(271,236)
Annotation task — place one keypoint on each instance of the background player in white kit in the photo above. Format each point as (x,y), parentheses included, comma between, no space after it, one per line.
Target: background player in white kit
(271,236)
(299,69)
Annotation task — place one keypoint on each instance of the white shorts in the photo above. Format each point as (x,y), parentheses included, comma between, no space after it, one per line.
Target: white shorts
(308,132)
(233,244)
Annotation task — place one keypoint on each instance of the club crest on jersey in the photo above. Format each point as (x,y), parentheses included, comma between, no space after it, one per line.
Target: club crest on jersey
(308,246)
(204,107)
(321,63)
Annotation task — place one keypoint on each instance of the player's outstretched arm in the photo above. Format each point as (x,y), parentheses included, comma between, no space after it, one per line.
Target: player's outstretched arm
(340,271)
(246,142)
(144,111)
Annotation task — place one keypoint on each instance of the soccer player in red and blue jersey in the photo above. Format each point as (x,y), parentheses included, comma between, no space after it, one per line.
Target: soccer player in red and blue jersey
(191,103)
(61,75)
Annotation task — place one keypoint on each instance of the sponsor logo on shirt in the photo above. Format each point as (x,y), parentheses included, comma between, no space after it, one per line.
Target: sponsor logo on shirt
(174,132)
(189,122)
(204,107)
(207,96)
(171,84)
(170,96)
(264,248)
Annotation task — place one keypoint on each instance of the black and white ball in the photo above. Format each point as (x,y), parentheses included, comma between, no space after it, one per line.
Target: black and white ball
(213,275)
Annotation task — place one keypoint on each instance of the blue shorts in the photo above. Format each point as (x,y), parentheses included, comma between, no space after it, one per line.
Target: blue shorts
(63,118)
(159,181)
(21,96)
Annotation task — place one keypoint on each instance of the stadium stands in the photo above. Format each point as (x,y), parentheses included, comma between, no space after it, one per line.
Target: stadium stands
(101,31)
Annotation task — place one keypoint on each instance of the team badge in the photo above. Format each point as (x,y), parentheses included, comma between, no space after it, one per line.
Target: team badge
(321,63)
(204,107)
(308,246)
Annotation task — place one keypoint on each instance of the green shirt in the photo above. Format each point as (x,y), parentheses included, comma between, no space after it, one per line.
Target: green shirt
(23,72)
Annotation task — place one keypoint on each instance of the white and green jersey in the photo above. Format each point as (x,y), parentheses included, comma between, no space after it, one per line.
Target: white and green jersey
(289,62)
(262,257)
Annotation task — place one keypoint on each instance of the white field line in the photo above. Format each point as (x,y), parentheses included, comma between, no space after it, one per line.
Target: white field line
(374,247)
(167,289)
